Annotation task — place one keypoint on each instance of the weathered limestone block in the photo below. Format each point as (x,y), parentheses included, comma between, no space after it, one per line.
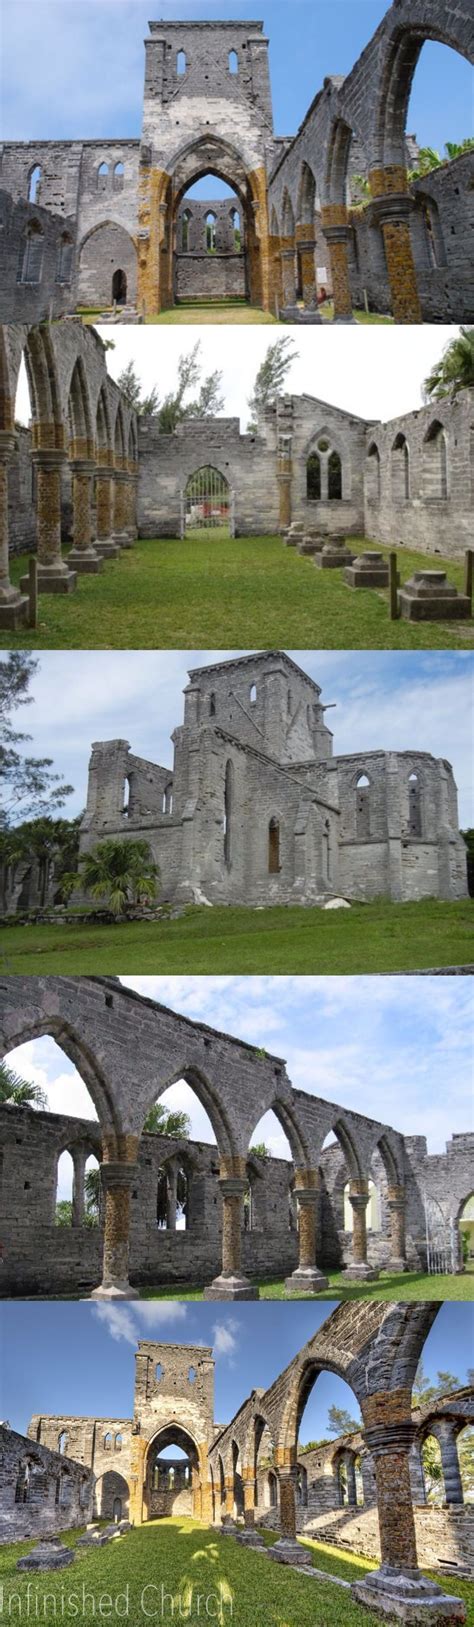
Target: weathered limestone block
(428,596)
(333,556)
(369,570)
(49,1555)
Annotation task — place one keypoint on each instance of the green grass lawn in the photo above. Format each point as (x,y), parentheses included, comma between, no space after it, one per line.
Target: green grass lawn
(406,1286)
(229,311)
(189,1560)
(213,593)
(379,937)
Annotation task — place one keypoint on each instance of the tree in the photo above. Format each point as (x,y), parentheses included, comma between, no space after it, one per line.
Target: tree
(20,1092)
(455,369)
(29,789)
(341,1423)
(130,386)
(271,378)
(429,159)
(53,843)
(165,1121)
(260,1150)
(92,1192)
(121,871)
(425,1392)
(207,404)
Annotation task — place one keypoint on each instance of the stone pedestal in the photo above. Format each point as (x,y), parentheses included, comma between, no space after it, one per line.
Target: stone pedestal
(428,596)
(296,314)
(333,556)
(294,533)
(49,1555)
(360,1273)
(369,570)
(408,1598)
(308,1281)
(228,1526)
(53,581)
(14,611)
(116,1180)
(309,543)
(230,1287)
(230,1284)
(307,1278)
(250,1538)
(287,1551)
(106,548)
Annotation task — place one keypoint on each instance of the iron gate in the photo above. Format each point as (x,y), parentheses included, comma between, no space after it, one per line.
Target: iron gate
(441,1252)
(207,504)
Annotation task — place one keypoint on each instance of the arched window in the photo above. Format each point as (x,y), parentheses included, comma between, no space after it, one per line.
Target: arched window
(274,866)
(126,797)
(372,483)
(118,1443)
(102,176)
(185,224)
(34,184)
(313,478)
(118,176)
(228,810)
(172,1197)
(63,1442)
(180,62)
(119,286)
(253,694)
(117,1510)
(65,258)
(372,1210)
(272,1489)
(435,463)
(233,62)
(212,705)
(363,806)
(159,1372)
(400,466)
(414,806)
(31,254)
(334,476)
(248,1208)
(108,1441)
(167,803)
(211,222)
(22,1487)
(235,223)
(192,1375)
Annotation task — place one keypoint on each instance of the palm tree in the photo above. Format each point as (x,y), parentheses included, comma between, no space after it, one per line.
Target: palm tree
(20,1092)
(162,1121)
(455,369)
(123,872)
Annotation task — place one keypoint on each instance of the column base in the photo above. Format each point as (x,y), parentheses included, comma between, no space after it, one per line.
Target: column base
(396,1266)
(52,581)
(360,1273)
(114,1290)
(122,539)
(14,612)
(86,562)
(250,1539)
(289,1552)
(310,1281)
(227,1287)
(298,314)
(106,548)
(346,319)
(228,1526)
(410,1598)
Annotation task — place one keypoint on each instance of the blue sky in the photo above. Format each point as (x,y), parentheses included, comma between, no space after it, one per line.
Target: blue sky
(104,41)
(397,1049)
(43,1366)
(394,701)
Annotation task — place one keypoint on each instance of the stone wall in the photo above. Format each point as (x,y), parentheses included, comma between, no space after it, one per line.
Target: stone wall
(41,1491)
(423,497)
(166,463)
(34,286)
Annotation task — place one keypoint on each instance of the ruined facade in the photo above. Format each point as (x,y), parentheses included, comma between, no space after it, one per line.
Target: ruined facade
(207,109)
(255,736)
(232,1472)
(242,1214)
(43,1488)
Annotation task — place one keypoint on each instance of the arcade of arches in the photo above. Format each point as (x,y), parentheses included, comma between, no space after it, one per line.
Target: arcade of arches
(168,1457)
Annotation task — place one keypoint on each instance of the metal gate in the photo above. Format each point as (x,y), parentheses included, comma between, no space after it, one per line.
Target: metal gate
(441,1251)
(207,504)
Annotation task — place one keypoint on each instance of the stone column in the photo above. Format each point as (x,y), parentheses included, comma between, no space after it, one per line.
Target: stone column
(396,1205)
(398,1588)
(288,1551)
(230,1284)
(83,555)
(54,575)
(172,1197)
(307,1276)
(359,1269)
(105,544)
(391,209)
(306,247)
(351,1480)
(13,606)
(120,509)
(79,1159)
(117,1179)
(336,231)
(137,1474)
(287,255)
(444,1432)
(132,503)
(249,1537)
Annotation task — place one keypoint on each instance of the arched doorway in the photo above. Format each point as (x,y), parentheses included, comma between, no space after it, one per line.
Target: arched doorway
(173,1483)
(111,1497)
(208,504)
(119,287)
(466,1233)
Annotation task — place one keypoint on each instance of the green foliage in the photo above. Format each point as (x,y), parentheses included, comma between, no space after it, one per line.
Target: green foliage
(425,1392)
(341,1423)
(63,1214)
(271,378)
(455,369)
(165,1121)
(311,1446)
(259,1150)
(468,837)
(208,402)
(429,159)
(129,383)
(20,1092)
(120,871)
(28,788)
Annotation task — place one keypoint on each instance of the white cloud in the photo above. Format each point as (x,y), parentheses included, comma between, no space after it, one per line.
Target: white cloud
(225,1340)
(118,1321)
(123,1321)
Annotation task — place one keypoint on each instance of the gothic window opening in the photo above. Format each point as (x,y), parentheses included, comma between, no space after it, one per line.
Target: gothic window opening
(248,1208)
(192,1375)
(373,479)
(102,176)
(233,62)
(31,254)
(313,478)
(212,705)
(180,63)
(211,223)
(253,695)
(228,810)
(108,1441)
(118,177)
(126,798)
(22,1487)
(65,258)
(334,477)
(63,1442)
(400,468)
(274,866)
(167,801)
(236,228)
(363,806)
(172,1197)
(414,806)
(118,1443)
(435,463)
(185,225)
(34,184)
